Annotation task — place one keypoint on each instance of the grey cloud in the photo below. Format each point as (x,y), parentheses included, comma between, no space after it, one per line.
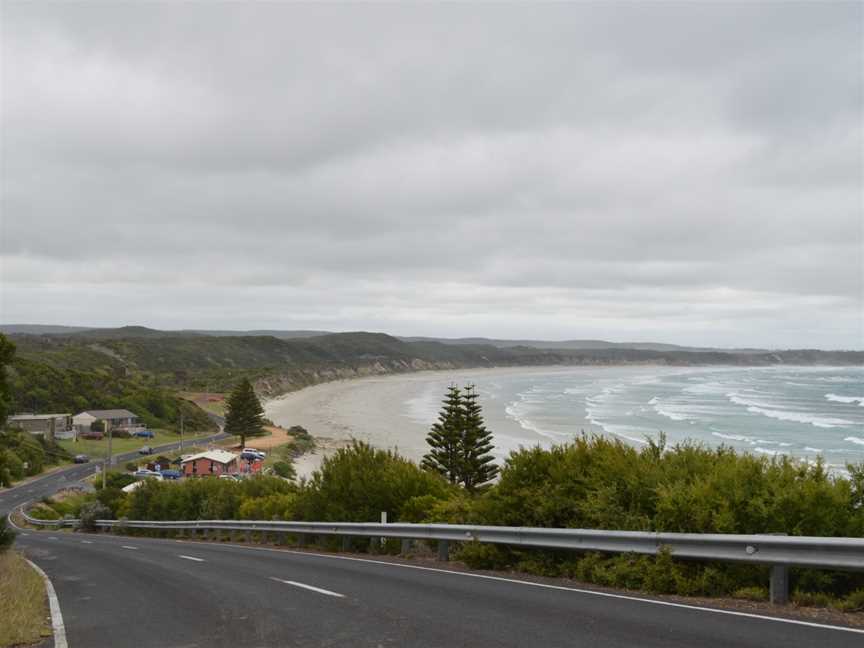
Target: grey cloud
(680,170)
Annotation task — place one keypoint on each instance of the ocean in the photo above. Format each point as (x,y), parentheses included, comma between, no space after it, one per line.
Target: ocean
(803,412)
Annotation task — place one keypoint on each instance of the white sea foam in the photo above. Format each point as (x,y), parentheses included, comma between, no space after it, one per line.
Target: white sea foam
(853,439)
(772,453)
(848,400)
(527,424)
(734,437)
(756,407)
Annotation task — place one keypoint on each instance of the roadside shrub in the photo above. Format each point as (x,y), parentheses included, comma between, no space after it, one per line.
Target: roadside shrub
(483,556)
(751,593)
(854,602)
(198,499)
(284,469)
(11,468)
(115,480)
(278,506)
(43,512)
(131,466)
(7,536)
(121,434)
(91,512)
(812,599)
(357,483)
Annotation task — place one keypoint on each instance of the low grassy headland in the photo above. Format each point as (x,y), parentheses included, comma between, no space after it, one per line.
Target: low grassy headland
(23,603)
(593,482)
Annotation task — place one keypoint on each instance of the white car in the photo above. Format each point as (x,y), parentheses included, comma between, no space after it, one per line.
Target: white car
(255,451)
(143,473)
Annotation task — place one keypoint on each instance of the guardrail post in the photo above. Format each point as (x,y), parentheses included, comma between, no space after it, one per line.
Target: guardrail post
(248,538)
(280,538)
(406,546)
(779,584)
(346,543)
(443,550)
(301,539)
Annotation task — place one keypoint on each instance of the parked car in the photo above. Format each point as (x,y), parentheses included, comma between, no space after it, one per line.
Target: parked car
(143,473)
(144,434)
(255,451)
(234,477)
(82,458)
(145,450)
(171,474)
(251,456)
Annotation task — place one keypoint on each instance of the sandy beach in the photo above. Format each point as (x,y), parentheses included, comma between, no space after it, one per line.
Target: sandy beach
(379,410)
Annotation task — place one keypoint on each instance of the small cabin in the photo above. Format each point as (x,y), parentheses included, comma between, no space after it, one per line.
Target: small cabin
(211,463)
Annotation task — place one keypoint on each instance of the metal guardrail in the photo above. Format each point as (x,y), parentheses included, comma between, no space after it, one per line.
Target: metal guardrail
(778,551)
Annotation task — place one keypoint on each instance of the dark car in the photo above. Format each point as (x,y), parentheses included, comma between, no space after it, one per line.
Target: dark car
(82,458)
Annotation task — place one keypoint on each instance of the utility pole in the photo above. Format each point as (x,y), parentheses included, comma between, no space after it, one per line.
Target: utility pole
(107,461)
(181,432)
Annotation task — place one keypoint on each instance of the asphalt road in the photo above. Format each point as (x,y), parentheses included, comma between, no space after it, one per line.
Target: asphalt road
(50,483)
(143,592)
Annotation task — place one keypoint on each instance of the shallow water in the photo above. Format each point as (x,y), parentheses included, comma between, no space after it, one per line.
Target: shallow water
(799,411)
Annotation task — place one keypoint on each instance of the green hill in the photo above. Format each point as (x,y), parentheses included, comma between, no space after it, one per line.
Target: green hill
(126,363)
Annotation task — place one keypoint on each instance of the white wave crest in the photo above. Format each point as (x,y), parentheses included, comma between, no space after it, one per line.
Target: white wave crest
(848,400)
(755,407)
(734,437)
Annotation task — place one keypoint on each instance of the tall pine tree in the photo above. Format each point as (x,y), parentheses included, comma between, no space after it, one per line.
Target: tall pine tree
(244,416)
(477,464)
(445,438)
(460,445)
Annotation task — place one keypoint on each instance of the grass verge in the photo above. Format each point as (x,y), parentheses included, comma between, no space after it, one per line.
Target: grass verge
(24,615)
(96,450)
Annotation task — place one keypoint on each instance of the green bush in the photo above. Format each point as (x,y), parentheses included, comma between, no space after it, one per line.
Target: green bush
(359,482)
(751,593)
(44,512)
(284,469)
(854,602)
(483,556)
(91,512)
(7,535)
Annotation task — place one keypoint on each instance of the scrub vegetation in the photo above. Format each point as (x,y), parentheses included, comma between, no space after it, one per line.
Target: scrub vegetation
(593,482)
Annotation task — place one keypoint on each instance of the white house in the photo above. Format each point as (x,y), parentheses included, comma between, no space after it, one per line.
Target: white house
(114,418)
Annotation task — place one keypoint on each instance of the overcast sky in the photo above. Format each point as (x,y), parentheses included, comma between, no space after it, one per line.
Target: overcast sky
(686,173)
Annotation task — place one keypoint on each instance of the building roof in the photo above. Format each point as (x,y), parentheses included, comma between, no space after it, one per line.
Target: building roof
(109,414)
(35,417)
(219,456)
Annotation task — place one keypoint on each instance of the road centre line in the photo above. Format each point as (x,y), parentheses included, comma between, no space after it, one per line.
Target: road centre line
(192,558)
(308,587)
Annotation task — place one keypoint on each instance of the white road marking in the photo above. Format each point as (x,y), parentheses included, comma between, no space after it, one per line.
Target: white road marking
(86,542)
(54,605)
(52,537)
(128,547)
(192,558)
(685,606)
(308,587)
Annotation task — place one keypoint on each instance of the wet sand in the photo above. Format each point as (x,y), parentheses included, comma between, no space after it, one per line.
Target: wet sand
(373,410)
